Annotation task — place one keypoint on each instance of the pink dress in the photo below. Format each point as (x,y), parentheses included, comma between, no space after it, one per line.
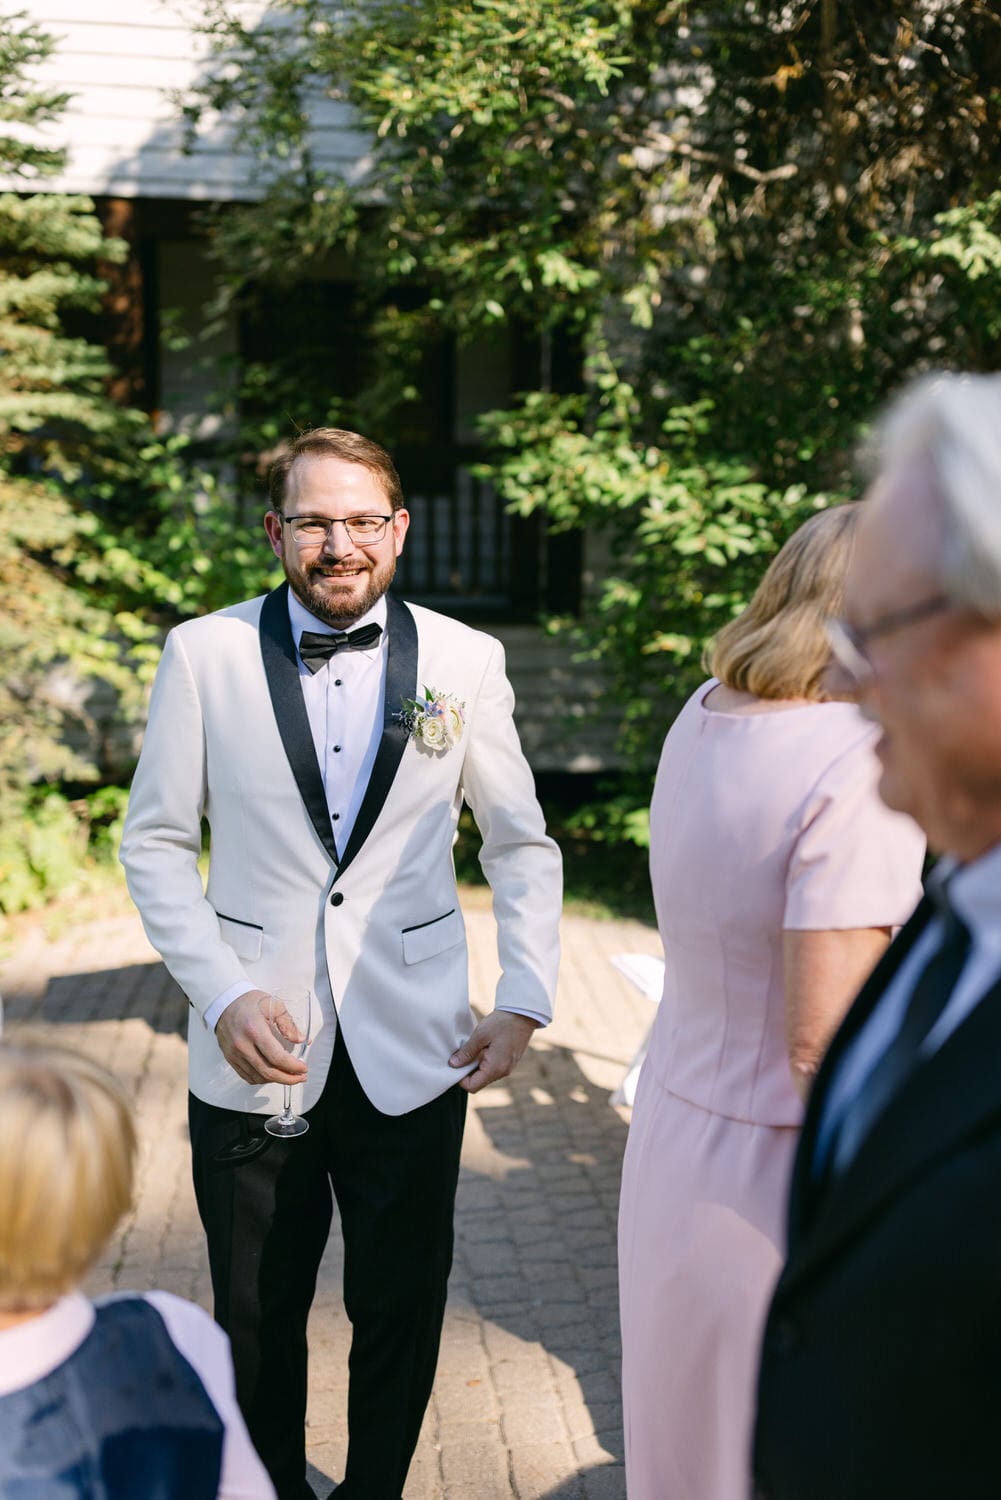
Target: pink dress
(759,822)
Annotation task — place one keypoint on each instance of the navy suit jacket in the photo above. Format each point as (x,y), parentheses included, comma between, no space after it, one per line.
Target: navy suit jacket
(881,1361)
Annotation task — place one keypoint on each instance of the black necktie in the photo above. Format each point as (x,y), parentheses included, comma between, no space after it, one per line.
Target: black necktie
(317,648)
(931,992)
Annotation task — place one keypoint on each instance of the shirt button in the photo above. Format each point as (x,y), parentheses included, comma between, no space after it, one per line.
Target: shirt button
(336,817)
(336,749)
(338,681)
(337,898)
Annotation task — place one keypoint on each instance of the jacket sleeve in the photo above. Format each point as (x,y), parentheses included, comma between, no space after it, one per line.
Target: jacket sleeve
(522,864)
(162,838)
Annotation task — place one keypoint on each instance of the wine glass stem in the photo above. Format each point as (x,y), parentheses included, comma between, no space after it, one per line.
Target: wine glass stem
(287,1111)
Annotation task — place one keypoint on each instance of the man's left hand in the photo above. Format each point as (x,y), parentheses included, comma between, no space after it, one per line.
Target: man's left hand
(495,1045)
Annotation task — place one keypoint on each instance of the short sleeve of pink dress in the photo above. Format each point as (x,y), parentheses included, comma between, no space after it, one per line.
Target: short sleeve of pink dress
(853,860)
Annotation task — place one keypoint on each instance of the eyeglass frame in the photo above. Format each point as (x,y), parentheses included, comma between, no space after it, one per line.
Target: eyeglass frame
(849,642)
(330,521)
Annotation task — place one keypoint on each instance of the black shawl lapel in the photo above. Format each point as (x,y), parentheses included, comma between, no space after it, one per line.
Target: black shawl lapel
(802,1193)
(281,668)
(401,682)
(948,1098)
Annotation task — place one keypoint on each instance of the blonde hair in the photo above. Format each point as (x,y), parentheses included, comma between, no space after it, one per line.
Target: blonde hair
(777,647)
(67,1154)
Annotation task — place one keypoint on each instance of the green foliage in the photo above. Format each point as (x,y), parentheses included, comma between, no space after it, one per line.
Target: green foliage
(105,818)
(485,201)
(621,817)
(105,530)
(688,531)
(604,846)
(753,221)
(22,47)
(54,845)
(959,261)
(175,544)
(58,432)
(82,602)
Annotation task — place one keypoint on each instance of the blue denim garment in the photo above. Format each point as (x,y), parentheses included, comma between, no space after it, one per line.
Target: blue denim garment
(124,1418)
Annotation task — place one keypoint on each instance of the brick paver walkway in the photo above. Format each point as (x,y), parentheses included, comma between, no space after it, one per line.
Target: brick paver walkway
(526,1402)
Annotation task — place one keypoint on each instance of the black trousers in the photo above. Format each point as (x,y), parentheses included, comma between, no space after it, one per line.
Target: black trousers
(266,1205)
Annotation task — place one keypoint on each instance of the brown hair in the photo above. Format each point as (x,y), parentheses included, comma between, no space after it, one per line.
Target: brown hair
(335,442)
(67,1156)
(777,647)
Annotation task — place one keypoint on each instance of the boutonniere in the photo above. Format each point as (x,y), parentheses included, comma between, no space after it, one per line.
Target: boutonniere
(435,721)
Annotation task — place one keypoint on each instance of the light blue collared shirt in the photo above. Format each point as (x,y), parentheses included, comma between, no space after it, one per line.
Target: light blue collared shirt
(975,896)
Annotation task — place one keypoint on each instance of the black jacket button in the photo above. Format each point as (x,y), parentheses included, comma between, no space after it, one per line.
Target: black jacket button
(337,898)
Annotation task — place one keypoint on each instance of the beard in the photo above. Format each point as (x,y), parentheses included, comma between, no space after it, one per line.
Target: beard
(359,593)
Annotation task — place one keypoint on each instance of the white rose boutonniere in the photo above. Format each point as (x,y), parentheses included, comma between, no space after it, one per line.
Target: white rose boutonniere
(435,721)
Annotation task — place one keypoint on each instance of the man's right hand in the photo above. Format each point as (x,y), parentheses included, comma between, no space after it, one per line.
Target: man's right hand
(249,1044)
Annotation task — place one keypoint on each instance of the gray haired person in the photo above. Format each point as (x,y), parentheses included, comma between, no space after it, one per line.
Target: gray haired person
(879,1372)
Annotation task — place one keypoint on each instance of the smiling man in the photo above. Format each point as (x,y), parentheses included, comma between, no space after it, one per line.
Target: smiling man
(346,529)
(329,734)
(880,1374)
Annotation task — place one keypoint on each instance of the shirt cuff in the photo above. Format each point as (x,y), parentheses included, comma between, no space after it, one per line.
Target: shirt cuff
(219,1004)
(533,1015)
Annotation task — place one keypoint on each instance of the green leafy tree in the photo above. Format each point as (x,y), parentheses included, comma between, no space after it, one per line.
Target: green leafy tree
(52,406)
(750,220)
(102,525)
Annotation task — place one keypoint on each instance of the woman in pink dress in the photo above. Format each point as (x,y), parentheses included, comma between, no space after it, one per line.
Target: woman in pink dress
(778,875)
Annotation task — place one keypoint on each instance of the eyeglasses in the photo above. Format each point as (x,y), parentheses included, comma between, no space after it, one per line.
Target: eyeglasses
(849,643)
(313,531)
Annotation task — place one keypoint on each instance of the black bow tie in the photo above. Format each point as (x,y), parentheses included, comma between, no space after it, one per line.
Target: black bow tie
(317,648)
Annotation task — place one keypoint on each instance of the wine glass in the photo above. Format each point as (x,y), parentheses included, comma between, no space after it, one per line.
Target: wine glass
(290,1017)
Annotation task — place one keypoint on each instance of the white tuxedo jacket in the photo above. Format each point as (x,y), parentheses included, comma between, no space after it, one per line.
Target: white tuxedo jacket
(228,740)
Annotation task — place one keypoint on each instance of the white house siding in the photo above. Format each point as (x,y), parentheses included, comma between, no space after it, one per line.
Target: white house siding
(121,59)
(558,703)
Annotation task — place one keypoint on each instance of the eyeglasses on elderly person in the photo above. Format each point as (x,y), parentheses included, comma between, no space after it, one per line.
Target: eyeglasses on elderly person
(850,643)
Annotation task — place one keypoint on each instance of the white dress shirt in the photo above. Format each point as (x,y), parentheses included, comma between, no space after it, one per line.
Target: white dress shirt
(33,1349)
(975,896)
(344,702)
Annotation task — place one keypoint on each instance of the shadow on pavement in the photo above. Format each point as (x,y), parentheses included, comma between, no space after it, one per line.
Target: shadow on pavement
(142,992)
(536,1245)
(535,1255)
(600,1483)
